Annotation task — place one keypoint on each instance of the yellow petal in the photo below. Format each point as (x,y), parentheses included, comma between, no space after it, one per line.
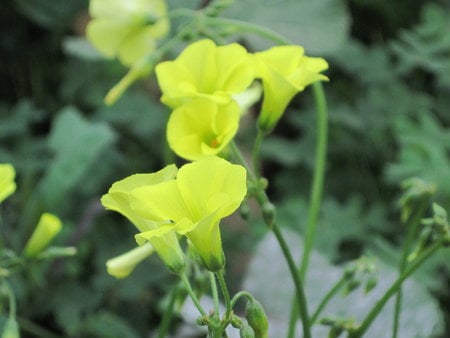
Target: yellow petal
(201,127)
(107,36)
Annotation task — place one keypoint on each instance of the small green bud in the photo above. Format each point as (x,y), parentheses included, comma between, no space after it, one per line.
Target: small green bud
(268,211)
(372,281)
(48,227)
(11,329)
(352,285)
(256,318)
(246,331)
(244,211)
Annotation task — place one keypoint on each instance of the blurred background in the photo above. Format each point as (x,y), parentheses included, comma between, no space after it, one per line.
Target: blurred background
(388,97)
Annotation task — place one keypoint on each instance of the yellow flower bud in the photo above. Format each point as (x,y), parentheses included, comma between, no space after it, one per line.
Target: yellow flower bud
(121,266)
(7,184)
(48,227)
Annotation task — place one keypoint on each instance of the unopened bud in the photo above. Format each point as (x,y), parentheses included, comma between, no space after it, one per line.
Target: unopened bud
(371,284)
(48,227)
(246,331)
(257,319)
(268,211)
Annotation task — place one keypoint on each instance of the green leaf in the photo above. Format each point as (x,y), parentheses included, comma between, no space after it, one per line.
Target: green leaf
(424,147)
(107,325)
(77,145)
(321,26)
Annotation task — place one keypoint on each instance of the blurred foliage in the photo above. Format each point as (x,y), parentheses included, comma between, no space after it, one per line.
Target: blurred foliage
(389,98)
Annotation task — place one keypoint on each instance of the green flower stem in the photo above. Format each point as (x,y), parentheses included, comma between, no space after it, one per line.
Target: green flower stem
(226,295)
(412,233)
(414,265)
(215,294)
(239,295)
(319,174)
(330,294)
(316,190)
(241,26)
(301,298)
(256,154)
(168,313)
(192,294)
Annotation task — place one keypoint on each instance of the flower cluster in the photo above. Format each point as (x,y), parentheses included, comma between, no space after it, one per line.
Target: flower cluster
(202,85)
(128,30)
(189,201)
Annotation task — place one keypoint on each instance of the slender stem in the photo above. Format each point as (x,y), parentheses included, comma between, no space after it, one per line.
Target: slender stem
(319,175)
(239,295)
(412,233)
(301,298)
(256,154)
(248,27)
(192,294)
(395,287)
(330,294)
(316,190)
(225,293)
(215,294)
(168,313)
(262,198)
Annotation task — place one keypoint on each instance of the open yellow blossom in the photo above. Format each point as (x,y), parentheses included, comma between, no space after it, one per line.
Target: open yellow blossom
(7,184)
(119,199)
(192,204)
(284,71)
(205,70)
(202,128)
(127,29)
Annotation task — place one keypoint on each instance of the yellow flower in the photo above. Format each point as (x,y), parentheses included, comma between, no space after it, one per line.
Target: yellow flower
(48,227)
(7,184)
(192,204)
(121,266)
(127,29)
(284,71)
(119,198)
(202,127)
(205,70)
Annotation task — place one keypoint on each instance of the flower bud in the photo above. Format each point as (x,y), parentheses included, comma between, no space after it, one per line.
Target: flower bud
(121,266)
(246,331)
(268,211)
(256,318)
(48,227)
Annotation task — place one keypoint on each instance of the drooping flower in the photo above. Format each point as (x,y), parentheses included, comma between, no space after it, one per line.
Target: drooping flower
(121,266)
(47,228)
(193,204)
(202,128)
(127,29)
(284,71)
(7,184)
(205,70)
(119,199)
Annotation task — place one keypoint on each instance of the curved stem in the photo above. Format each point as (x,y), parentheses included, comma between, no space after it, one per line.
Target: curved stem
(337,286)
(192,294)
(395,287)
(412,232)
(247,27)
(239,295)
(316,190)
(319,175)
